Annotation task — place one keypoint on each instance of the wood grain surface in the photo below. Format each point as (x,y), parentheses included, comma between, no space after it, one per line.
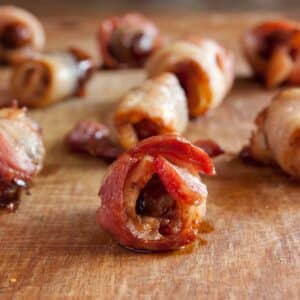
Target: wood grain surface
(51,247)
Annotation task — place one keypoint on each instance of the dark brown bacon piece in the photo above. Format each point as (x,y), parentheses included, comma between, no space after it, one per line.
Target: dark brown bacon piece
(127,41)
(273,51)
(93,138)
(152,197)
(21,153)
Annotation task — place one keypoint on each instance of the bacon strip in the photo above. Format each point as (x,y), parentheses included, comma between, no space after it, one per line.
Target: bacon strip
(52,77)
(273,51)
(21,152)
(276,139)
(127,41)
(93,138)
(203,67)
(152,197)
(21,34)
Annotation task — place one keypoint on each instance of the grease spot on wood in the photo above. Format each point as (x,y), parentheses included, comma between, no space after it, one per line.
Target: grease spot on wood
(49,170)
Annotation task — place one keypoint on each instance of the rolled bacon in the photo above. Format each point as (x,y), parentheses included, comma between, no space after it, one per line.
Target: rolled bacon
(21,152)
(21,34)
(273,51)
(50,78)
(127,41)
(152,197)
(277,137)
(156,107)
(204,68)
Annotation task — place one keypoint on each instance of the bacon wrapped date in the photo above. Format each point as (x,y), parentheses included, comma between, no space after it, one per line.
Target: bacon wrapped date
(158,106)
(21,152)
(127,41)
(273,51)
(204,69)
(93,138)
(21,34)
(152,197)
(50,78)
(277,137)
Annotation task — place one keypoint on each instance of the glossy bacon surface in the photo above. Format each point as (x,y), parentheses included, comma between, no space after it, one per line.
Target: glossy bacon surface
(21,146)
(152,197)
(273,51)
(127,41)
(93,138)
(21,152)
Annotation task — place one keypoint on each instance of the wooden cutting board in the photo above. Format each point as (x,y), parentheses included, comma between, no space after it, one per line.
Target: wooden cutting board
(51,247)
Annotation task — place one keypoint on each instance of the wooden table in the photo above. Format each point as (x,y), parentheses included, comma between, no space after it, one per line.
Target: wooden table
(51,248)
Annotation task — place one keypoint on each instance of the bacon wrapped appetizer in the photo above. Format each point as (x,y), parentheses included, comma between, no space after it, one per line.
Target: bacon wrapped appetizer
(21,34)
(152,197)
(158,106)
(273,51)
(204,68)
(21,153)
(92,138)
(277,138)
(127,41)
(50,78)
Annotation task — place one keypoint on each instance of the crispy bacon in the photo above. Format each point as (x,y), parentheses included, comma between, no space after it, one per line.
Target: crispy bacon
(210,147)
(273,51)
(21,34)
(93,138)
(204,69)
(127,41)
(21,151)
(152,197)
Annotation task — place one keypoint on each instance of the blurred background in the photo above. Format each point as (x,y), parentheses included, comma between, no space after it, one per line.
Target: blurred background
(79,7)
(76,21)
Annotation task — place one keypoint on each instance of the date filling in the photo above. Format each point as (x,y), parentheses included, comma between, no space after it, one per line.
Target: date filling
(128,45)
(15,35)
(154,201)
(146,128)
